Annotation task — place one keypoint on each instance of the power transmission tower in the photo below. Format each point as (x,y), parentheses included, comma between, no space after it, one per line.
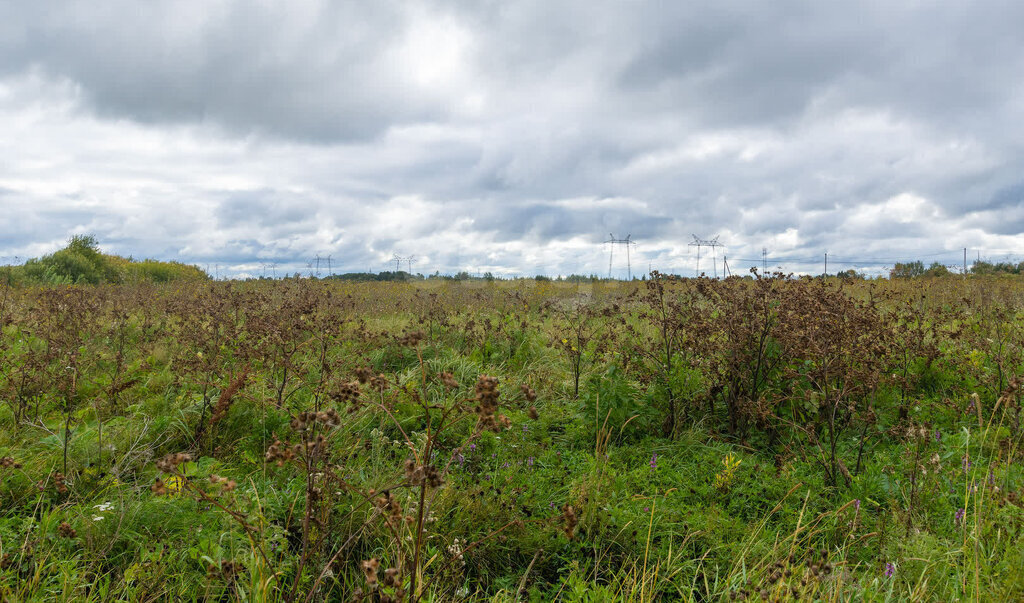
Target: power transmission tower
(397,259)
(713,244)
(611,253)
(329,271)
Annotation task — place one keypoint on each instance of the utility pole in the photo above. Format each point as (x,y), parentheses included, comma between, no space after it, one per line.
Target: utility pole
(965,261)
(764,260)
(318,265)
(329,271)
(826,263)
(712,243)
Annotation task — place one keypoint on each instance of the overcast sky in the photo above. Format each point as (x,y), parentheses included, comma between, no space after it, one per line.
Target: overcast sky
(513,137)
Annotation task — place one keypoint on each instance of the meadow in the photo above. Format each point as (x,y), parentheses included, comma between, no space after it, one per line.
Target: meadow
(765,438)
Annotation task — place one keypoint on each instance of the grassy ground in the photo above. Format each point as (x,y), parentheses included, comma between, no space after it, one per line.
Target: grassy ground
(766,439)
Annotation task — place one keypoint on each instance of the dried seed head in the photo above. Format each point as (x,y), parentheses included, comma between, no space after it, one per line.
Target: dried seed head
(170,462)
(370,571)
(419,475)
(449,380)
(569,520)
(364,374)
(280,453)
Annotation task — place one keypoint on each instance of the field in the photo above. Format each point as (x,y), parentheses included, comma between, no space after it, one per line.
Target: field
(665,439)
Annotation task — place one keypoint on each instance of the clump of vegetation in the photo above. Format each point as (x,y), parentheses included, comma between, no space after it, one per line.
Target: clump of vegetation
(82,262)
(762,438)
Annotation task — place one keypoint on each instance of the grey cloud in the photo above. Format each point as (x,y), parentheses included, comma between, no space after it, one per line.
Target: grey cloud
(239,133)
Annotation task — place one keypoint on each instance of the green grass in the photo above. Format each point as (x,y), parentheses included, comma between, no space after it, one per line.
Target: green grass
(931,515)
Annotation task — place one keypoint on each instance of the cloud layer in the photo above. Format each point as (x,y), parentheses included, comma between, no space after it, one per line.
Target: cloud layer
(512,137)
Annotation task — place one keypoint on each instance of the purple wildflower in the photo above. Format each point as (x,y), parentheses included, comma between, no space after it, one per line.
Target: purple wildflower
(938,436)
(856,504)
(890,570)
(654,461)
(959,517)
(529,461)
(966,463)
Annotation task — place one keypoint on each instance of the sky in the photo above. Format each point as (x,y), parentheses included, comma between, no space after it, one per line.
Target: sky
(514,137)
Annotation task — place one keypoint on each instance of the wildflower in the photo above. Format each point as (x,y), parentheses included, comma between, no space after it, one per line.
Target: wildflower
(890,570)
(103,507)
(529,461)
(174,484)
(654,461)
(959,516)
(472,447)
(856,504)
(966,463)
(938,436)
(455,550)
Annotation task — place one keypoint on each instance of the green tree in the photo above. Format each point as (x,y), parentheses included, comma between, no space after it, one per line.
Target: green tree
(907,270)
